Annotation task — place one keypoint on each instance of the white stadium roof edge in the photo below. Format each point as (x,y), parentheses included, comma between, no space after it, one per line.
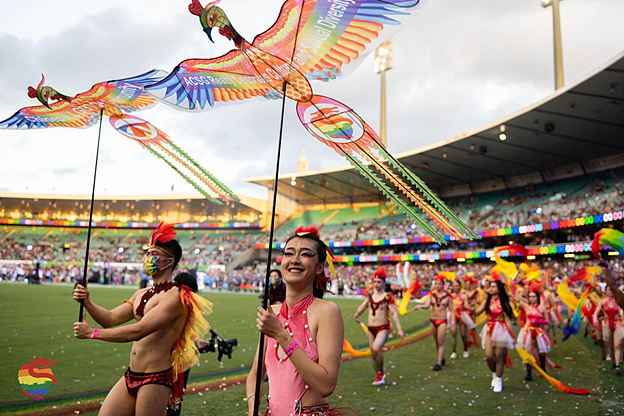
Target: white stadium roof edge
(575,131)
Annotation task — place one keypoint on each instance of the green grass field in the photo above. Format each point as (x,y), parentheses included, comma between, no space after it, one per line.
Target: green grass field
(37,322)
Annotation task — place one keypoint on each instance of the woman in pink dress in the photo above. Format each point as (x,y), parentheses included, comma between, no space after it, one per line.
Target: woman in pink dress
(496,336)
(304,335)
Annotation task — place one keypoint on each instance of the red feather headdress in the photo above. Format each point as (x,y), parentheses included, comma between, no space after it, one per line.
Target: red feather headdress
(162,234)
(381,273)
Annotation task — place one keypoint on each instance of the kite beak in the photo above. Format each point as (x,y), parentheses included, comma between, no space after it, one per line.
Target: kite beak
(208,31)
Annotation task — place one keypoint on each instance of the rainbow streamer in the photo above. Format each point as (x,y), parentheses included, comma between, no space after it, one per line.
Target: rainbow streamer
(575,325)
(529,359)
(608,237)
(566,296)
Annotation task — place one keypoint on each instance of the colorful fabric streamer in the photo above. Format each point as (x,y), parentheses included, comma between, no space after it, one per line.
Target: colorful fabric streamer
(608,237)
(585,273)
(280,63)
(346,347)
(508,268)
(529,359)
(575,325)
(566,296)
(407,296)
(115,99)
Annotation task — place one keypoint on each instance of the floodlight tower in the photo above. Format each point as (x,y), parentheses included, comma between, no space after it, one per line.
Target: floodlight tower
(557,37)
(383,62)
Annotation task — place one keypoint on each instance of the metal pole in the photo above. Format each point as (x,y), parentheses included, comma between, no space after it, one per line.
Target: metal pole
(86,260)
(383,107)
(265,299)
(558,46)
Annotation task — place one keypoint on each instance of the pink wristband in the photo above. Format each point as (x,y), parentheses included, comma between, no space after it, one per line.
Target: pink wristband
(95,333)
(291,348)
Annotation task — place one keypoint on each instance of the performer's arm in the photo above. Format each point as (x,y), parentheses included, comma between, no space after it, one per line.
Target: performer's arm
(597,312)
(521,302)
(169,309)
(508,323)
(105,318)
(395,318)
(250,385)
(480,309)
(426,305)
(451,307)
(360,310)
(323,376)
(617,293)
(467,305)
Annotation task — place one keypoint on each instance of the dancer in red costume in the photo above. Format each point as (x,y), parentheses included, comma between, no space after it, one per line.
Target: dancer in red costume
(460,307)
(439,300)
(532,337)
(612,327)
(549,301)
(304,335)
(496,336)
(382,307)
(169,321)
(475,297)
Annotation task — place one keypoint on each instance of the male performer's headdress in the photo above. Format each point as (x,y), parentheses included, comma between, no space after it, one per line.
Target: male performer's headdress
(446,276)
(163,238)
(470,278)
(380,273)
(324,253)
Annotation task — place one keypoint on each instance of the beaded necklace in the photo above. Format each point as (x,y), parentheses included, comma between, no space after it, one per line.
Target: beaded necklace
(160,287)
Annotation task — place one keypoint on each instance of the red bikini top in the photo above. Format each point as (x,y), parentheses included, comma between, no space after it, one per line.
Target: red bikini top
(439,300)
(389,299)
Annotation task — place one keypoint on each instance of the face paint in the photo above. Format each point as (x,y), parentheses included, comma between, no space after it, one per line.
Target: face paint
(150,265)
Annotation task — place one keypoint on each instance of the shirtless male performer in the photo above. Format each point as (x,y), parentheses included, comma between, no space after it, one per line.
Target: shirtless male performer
(382,307)
(439,300)
(166,316)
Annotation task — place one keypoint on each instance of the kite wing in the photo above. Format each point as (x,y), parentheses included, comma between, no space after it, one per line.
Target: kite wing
(200,84)
(115,97)
(322,38)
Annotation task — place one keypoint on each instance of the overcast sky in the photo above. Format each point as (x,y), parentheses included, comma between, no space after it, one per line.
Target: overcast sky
(458,65)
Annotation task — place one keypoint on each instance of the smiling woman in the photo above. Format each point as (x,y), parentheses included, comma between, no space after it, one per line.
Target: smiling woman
(305,334)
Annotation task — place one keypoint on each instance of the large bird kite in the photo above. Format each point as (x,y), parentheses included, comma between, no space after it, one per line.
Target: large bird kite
(311,40)
(115,99)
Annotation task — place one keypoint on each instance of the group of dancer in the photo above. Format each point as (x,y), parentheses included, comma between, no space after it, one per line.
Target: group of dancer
(305,333)
(460,305)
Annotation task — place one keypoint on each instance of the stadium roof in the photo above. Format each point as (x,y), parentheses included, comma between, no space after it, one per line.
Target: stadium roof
(127,205)
(576,130)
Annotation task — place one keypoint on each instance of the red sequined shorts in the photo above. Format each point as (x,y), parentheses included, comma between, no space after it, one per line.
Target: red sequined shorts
(374,330)
(134,381)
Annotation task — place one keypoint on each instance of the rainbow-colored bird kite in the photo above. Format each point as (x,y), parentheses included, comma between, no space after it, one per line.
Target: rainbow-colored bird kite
(312,41)
(115,99)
